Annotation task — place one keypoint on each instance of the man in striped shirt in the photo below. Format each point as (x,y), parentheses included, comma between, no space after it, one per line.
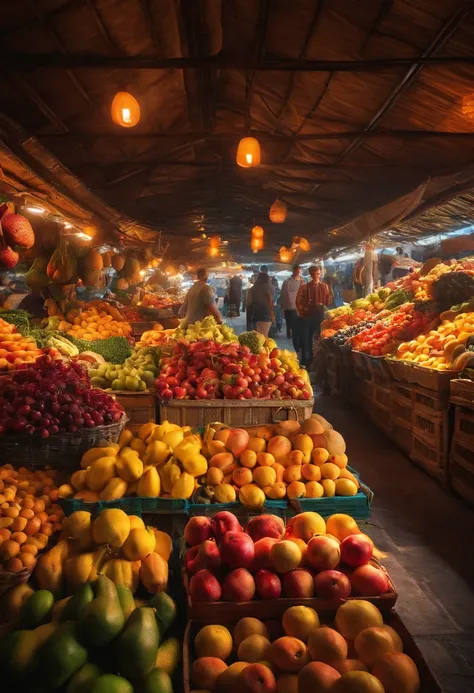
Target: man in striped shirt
(310,302)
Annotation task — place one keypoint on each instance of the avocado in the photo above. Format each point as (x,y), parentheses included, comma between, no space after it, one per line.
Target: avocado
(81,681)
(165,612)
(109,683)
(76,606)
(36,609)
(157,681)
(61,656)
(126,600)
(102,619)
(137,645)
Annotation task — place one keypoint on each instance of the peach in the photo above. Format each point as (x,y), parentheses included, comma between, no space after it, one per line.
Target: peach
(298,584)
(296,490)
(197,530)
(206,671)
(257,445)
(317,677)
(341,526)
(214,447)
(248,459)
(300,621)
(311,472)
(14,565)
(354,616)
(314,489)
(356,550)
(262,554)
(28,513)
(228,679)
(319,456)
(351,665)
(10,512)
(264,476)
(242,476)
(295,457)
(249,626)
(305,525)
(397,672)
(213,641)
(359,681)
(267,584)
(288,428)
(256,678)
(279,447)
(264,525)
(222,435)
(346,474)
(238,586)
(289,654)
(332,584)
(264,459)
(330,471)
(323,552)
(285,556)
(372,643)
(277,491)
(27,559)
(303,547)
(340,460)
(5,534)
(292,473)
(214,476)
(254,648)
(237,441)
(327,645)
(221,460)
(369,581)
(279,471)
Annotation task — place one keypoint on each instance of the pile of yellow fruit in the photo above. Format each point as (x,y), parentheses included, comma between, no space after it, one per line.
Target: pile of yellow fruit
(155,337)
(29,515)
(115,544)
(96,323)
(440,348)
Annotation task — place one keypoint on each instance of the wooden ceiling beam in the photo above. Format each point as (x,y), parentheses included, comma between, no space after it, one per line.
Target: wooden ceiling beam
(15,61)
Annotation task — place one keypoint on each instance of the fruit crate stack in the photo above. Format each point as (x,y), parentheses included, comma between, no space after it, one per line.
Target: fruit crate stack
(461,457)
(401,407)
(431,431)
(139,407)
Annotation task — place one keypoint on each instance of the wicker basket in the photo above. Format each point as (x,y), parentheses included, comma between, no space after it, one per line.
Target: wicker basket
(9,580)
(61,451)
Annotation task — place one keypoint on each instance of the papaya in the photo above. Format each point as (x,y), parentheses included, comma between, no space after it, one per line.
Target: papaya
(168,656)
(107,258)
(126,600)
(111,527)
(62,265)
(76,605)
(154,573)
(137,645)
(165,610)
(157,681)
(102,619)
(93,261)
(49,568)
(36,609)
(61,656)
(81,681)
(123,572)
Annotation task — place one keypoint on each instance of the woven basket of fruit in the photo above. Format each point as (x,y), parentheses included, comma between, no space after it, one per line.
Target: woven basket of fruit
(9,580)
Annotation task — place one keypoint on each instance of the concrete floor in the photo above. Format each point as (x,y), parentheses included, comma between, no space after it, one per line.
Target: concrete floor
(427,534)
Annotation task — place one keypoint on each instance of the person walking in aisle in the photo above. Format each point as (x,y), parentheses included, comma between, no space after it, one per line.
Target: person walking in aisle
(260,303)
(199,302)
(289,291)
(310,302)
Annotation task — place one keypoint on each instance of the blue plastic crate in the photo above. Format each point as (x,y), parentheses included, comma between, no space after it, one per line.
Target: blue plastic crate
(130,505)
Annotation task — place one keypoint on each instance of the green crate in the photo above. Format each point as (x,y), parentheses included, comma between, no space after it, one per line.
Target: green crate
(130,505)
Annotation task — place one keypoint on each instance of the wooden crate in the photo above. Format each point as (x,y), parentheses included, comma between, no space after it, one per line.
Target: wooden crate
(403,391)
(464,423)
(432,379)
(433,426)
(382,394)
(140,407)
(399,370)
(427,680)
(381,416)
(428,456)
(430,399)
(402,410)
(461,469)
(401,434)
(463,450)
(462,392)
(235,413)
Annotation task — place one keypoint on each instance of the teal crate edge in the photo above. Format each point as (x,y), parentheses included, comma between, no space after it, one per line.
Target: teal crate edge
(130,505)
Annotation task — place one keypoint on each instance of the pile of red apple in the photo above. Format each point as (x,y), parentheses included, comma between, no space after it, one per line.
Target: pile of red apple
(208,370)
(264,561)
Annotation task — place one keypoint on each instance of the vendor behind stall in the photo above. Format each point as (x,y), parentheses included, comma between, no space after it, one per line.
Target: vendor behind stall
(199,301)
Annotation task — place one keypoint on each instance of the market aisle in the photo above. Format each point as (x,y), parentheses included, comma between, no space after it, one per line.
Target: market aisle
(427,534)
(239,325)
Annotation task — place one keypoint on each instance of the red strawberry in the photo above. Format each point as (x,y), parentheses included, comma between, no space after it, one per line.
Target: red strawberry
(17,230)
(8,257)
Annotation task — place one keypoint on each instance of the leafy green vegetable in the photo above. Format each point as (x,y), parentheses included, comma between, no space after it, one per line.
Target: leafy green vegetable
(113,349)
(19,318)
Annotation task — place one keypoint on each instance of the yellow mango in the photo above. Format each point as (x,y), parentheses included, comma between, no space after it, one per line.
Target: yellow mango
(82,568)
(195,465)
(111,528)
(116,488)
(140,542)
(78,480)
(163,544)
(173,438)
(156,453)
(146,430)
(123,572)
(100,472)
(184,487)
(136,522)
(163,428)
(154,573)
(129,465)
(149,486)
(125,439)
(138,446)
(96,453)
(49,568)
(188,447)
(78,529)
(169,474)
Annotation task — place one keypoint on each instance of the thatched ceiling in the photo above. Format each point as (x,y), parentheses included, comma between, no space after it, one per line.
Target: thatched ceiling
(340,138)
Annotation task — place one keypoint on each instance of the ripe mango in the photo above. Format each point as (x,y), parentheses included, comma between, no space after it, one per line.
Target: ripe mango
(157,453)
(139,544)
(129,465)
(96,453)
(78,528)
(100,472)
(184,487)
(138,446)
(49,568)
(154,573)
(149,485)
(111,528)
(115,488)
(125,439)
(82,568)
(146,430)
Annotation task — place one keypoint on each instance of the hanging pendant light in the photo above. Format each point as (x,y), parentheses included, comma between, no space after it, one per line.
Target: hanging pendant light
(214,241)
(213,252)
(257,232)
(285,254)
(301,244)
(125,110)
(278,212)
(256,244)
(248,152)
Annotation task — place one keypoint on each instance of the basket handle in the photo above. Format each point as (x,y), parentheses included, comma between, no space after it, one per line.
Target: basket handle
(292,408)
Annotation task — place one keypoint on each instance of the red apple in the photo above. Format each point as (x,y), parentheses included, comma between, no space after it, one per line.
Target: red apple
(356,550)
(268,584)
(262,526)
(369,581)
(332,584)
(256,678)
(204,587)
(238,586)
(237,550)
(208,556)
(197,530)
(298,584)
(190,560)
(323,552)
(223,522)
(261,559)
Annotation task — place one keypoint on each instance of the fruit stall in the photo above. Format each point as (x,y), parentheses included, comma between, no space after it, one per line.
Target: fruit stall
(410,348)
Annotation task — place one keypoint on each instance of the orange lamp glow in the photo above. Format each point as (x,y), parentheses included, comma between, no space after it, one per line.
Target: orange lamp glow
(257,232)
(285,254)
(248,152)
(278,212)
(125,110)
(304,245)
(256,244)
(213,252)
(214,242)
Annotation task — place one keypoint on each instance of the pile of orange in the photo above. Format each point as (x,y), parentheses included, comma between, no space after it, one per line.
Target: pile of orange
(96,323)
(14,348)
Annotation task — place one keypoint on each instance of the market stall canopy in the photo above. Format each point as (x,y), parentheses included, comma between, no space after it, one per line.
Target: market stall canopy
(355,105)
